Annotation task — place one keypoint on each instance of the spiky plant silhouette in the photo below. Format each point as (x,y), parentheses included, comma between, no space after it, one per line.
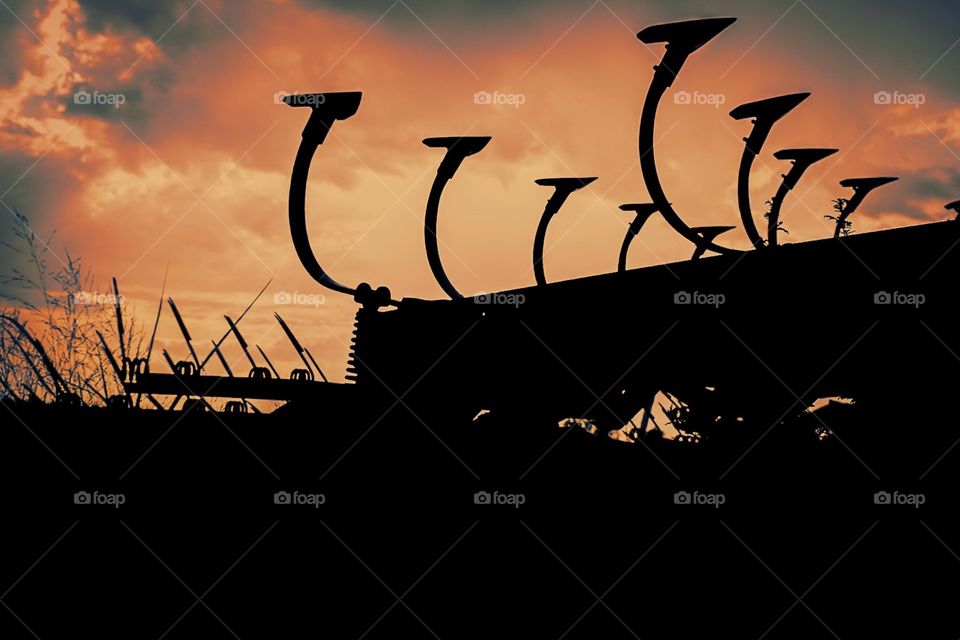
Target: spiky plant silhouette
(840,205)
(766,216)
(49,319)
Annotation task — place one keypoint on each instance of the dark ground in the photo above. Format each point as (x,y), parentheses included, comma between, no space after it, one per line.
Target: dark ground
(782,534)
(400,549)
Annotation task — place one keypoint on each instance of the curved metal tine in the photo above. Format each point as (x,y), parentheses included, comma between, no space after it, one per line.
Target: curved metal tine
(241,341)
(955,207)
(117,370)
(315,365)
(299,348)
(457,148)
(861,189)
(802,159)
(223,338)
(173,369)
(708,235)
(269,364)
(325,109)
(184,332)
(765,113)
(119,313)
(563,187)
(223,360)
(682,39)
(156,321)
(642,214)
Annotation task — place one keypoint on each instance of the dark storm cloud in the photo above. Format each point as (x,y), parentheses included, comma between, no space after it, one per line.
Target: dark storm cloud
(886,43)
(465,10)
(944,185)
(896,45)
(914,188)
(134,102)
(36,193)
(150,17)
(13,38)
(122,102)
(181,24)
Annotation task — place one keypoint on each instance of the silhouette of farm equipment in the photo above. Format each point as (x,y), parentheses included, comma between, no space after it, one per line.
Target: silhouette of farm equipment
(743,335)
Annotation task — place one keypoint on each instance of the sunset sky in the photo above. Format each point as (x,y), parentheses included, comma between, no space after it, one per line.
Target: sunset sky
(192,169)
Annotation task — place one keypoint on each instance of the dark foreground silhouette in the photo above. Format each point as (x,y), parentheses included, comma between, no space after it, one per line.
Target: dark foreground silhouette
(315,523)
(437,492)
